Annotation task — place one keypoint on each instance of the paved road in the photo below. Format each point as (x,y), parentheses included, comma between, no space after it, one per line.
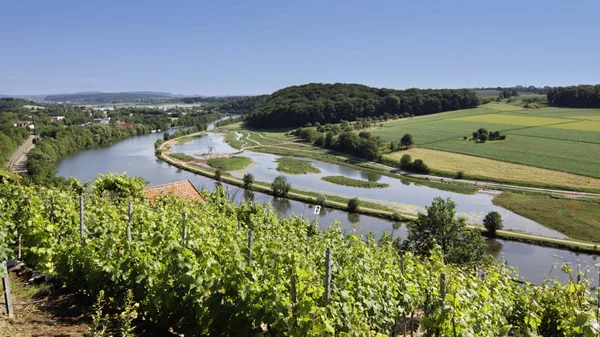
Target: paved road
(18,160)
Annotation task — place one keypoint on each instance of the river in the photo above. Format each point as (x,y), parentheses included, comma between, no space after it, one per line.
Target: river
(135,156)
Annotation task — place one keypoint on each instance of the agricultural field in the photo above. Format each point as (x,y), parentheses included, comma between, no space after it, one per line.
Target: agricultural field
(565,140)
(448,163)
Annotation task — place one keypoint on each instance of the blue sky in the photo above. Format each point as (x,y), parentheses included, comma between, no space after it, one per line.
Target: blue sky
(253,47)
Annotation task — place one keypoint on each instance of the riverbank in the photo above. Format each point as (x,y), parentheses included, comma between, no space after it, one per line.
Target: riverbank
(381,211)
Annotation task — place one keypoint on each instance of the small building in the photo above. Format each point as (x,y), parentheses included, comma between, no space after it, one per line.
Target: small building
(57,118)
(23,124)
(182,188)
(103,121)
(125,125)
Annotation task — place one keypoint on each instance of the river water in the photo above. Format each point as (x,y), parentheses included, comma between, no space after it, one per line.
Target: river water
(135,156)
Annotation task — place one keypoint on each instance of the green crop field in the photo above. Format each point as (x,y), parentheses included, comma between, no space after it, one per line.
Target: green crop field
(557,139)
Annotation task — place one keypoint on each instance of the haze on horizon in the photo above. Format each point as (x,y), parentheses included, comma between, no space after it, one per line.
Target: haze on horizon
(258,47)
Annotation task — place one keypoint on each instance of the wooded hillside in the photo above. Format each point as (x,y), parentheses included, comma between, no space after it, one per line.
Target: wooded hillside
(331,103)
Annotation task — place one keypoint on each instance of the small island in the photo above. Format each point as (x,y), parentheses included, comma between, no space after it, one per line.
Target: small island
(295,166)
(341,180)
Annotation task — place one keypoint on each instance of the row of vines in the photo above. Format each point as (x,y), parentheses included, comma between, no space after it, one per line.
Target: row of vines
(205,284)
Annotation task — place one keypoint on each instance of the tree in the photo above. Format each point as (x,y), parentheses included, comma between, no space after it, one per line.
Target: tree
(483,137)
(248,180)
(475,135)
(320,200)
(218,174)
(405,161)
(418,166)
(493,223)
(441,227)
(353,205)
(407,140)
(280,186)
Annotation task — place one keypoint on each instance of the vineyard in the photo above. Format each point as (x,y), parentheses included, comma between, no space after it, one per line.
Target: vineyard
(220,269)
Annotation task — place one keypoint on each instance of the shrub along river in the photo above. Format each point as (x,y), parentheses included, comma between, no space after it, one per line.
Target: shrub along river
(135,156)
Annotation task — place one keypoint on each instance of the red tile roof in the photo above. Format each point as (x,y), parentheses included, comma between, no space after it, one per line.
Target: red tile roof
(183,188)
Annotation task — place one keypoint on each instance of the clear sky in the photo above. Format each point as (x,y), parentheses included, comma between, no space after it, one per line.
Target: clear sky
(252,47)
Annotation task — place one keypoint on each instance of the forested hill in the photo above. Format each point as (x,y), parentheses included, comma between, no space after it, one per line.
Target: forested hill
(579,96)
(331,103)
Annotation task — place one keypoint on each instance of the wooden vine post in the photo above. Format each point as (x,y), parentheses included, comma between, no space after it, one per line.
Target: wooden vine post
(6,287)
(327,274)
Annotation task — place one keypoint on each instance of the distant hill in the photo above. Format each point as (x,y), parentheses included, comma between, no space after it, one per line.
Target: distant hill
(108,97)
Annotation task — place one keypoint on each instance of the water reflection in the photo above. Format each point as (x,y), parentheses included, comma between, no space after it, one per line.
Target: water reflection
(353,218)
(370,176)
(281,205)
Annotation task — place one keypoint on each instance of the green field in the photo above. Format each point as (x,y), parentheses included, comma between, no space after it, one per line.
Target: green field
(578,219)
(229,164)
(558,139)
(295,166)
(342,180)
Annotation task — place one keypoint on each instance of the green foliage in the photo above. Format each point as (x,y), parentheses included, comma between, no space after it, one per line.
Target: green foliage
(493,222)
(280,186)
(407,140)
(343,180)
(209,288)
(320,200)
(230,163)
(218,174)
(332,103)
(248,180)
(119,187)
(295,166)
(441,227)
(405,161)
(580,96)
(353,205)
(181,156)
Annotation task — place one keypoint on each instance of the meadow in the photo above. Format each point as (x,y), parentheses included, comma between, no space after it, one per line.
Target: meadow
(229,164)
(557,139)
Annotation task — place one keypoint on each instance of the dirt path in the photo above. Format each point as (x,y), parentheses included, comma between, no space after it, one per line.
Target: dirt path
(18,160)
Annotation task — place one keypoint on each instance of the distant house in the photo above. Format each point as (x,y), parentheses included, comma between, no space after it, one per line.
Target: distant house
(183,188)
(57,118)
(23,124)
(103,121)
(125,125)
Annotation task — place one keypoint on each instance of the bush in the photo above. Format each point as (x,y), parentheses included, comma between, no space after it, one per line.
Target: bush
(418,166)
(460,174)
(493,222)
(353,205)
(280,186)
(483,137)
(405,162)
(218,174)
(502,137)
(320,200)
(248,180)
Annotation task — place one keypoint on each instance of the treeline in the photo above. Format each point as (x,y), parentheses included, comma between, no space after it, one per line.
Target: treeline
(229,121)
(109,97)
(236,106)
(58,142)
(331,103)
(580,96)
(11,138)
(519,88)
